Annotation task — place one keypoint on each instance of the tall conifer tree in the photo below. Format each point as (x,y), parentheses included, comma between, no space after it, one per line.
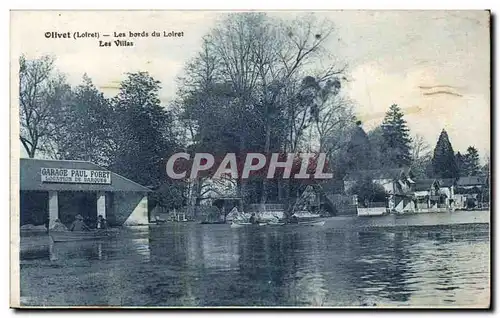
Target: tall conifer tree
(397,137)
(471,162)
(444,163)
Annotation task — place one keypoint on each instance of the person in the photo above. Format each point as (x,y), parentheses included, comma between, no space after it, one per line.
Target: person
(78,224)
(58,226)
(294,219)
(253,219)
(274,220)
(102,223)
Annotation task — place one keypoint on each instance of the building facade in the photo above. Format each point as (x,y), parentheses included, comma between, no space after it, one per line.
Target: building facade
(472,192)
(397,184)
(61,189)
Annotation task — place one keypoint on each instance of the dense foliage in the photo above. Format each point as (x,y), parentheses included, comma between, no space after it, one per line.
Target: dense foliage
(257,84)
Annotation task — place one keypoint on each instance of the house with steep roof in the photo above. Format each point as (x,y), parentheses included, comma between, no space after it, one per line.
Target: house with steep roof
(427,194)
(469,191)
(397,183)
(447,187)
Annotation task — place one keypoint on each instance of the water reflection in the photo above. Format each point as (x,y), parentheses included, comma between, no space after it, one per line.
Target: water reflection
(214,265)
(383,265)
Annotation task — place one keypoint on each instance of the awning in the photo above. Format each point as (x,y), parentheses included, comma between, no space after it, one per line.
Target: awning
(31,178)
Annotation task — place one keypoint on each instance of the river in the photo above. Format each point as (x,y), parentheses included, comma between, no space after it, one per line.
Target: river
(418,260)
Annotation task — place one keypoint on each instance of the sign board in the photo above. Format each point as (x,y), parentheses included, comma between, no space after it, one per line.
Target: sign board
(62,175)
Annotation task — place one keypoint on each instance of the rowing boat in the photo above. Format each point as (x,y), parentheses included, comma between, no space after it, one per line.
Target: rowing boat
(69,236)
(301,223)
(245,224)
(306,223)
(213,222)
(275,223)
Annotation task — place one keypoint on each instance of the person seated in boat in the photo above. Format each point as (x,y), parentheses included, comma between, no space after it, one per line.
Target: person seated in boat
(253,219)
(78,225)
(58,226)
(294,219)
(102,224)
(274,220)
(158,220)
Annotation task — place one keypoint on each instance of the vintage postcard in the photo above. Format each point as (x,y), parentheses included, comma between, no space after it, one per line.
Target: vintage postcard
(206,159)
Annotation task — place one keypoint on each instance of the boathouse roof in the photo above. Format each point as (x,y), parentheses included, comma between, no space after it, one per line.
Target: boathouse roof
(30,178)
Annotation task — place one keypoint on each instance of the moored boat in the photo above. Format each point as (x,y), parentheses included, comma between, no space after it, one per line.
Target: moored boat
(312,223)
(304,223)
(275,223)
(212,222)
(69,236)
(245,224)
(238,225)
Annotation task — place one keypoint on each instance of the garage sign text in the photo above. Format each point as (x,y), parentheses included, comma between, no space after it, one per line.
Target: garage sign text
(62,175)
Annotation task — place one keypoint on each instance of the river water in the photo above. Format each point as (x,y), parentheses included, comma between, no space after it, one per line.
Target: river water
(420,260)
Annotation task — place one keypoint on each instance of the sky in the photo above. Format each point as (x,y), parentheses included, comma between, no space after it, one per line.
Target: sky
(434,64)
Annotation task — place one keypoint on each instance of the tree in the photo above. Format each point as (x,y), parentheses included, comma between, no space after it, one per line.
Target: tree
(443,161)
(335,118)
(471,162)
(420,157)
(485,172)
(460,159)
(486,168)
(250,86)
(397,138)
(142,137)
(368,191)
(378,144)
(86,133)
(42,96)
(358,152)
(337,144)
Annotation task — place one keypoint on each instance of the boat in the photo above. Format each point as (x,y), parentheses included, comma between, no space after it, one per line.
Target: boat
(245,224)
(69,236)
(30,228)
(310,223)
(212,222)
(238,225)
(275,223)
(305,223)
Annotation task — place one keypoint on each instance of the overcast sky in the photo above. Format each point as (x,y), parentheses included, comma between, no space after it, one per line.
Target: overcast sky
(434,64)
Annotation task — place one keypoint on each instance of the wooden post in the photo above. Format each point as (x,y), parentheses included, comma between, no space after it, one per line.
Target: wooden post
(101,204)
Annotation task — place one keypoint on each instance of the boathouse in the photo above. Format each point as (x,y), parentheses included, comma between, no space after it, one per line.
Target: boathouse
(61,189)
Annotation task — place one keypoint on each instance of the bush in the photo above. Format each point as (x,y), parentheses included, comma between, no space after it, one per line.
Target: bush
(368,191)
